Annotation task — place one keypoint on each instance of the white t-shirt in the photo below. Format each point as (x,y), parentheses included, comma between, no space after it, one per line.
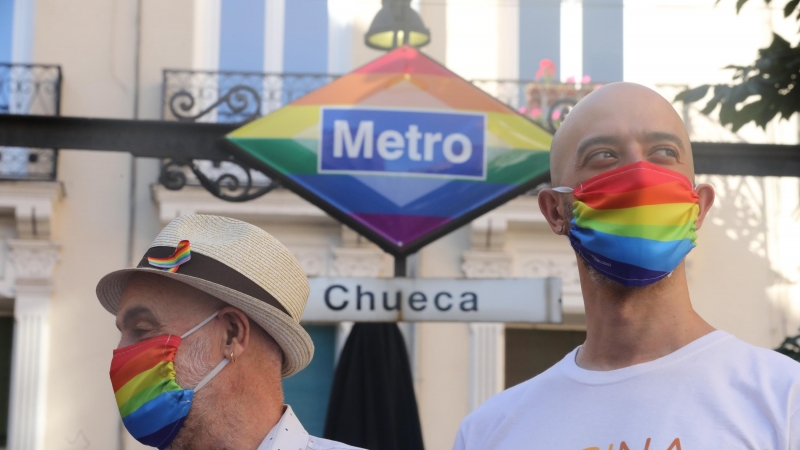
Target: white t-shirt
(716,393)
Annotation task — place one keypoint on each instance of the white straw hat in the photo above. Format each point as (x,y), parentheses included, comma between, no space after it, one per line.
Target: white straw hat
(239,264)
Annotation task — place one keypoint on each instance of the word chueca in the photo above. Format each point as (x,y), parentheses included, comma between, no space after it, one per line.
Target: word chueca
(339,297)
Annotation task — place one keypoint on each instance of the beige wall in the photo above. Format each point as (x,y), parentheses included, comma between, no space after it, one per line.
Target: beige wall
(94,42)
(95,51)
(442,374)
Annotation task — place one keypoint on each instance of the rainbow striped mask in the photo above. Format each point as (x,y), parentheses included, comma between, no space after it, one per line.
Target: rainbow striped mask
(634,224)
(152,405)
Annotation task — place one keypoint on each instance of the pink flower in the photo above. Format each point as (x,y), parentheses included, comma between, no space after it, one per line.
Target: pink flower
(586,79)
(570,80)
(547,69)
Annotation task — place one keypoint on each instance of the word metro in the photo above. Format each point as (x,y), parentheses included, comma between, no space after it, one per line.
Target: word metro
(389,142)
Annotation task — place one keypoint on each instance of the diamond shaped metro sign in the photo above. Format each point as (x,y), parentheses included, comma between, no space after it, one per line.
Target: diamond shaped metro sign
(402,150)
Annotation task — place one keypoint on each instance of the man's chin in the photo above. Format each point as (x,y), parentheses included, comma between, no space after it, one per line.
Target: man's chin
(601,280)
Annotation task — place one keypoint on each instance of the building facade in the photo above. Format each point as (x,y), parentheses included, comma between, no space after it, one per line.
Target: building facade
(64,227)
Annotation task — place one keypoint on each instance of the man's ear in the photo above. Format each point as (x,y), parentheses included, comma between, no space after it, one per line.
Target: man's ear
(237,332)
(552,207)
(706,194)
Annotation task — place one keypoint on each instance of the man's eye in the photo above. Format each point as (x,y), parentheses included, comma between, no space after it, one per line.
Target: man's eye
(601,155)
(668,152)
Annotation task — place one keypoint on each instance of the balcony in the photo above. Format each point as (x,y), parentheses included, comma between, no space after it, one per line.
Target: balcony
(29,89)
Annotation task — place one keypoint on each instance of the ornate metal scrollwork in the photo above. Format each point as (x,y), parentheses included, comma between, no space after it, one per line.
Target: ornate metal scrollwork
(31,89)
(227,186)
(237,101)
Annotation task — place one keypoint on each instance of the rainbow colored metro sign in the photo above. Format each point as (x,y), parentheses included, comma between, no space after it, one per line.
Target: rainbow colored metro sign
(402,150)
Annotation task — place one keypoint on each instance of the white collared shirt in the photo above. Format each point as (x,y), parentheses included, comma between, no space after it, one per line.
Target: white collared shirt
(289,434)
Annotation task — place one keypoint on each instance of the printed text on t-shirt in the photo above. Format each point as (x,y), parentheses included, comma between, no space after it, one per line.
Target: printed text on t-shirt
(675,445)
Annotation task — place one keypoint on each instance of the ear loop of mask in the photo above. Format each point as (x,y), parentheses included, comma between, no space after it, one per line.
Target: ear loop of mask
(563,190)
(221,364)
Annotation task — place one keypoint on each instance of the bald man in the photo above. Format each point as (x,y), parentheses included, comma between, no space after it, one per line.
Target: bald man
(652,374)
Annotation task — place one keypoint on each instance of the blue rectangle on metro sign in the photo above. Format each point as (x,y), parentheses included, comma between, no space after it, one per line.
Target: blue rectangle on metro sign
(379,141)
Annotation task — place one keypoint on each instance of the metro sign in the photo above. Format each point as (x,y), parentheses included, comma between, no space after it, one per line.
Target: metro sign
(439,144)
(401,150)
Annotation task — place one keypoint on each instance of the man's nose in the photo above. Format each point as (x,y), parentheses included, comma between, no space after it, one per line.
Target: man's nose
(633,153)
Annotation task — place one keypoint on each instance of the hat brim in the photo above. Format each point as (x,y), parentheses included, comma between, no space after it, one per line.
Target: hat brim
(298,349)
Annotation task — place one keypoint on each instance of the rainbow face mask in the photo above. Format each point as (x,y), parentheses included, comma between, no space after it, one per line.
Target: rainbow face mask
(634,224)
(152,405)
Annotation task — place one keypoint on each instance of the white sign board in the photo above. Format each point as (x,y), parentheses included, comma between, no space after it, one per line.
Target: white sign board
(434,300)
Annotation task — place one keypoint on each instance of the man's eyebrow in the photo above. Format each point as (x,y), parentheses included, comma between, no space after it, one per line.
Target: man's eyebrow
(655,136)
(585,144)
(138,313)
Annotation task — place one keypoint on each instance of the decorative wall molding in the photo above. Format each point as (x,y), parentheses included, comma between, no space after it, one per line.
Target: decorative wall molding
(487,362)
(490,257)
(279,203)
(489,233)
(358,262)
(314,261)
(555,264)
(33,261)
(485,264)
(33,257)
(29,367)
(32,204)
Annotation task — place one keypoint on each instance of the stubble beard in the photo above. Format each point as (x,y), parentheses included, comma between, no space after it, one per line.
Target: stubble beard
(598,278)
(202,424)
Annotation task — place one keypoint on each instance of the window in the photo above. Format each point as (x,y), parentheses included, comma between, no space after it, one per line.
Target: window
(530,352)
(6,338)
(309,391)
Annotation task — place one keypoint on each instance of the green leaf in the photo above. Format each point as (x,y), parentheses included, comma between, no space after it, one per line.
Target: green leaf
(790,7)
(778,44)
(749,113)
(739,93)
(720,91)
(692,95)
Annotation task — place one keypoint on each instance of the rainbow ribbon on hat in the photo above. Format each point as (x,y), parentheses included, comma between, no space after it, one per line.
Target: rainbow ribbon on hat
(183,253)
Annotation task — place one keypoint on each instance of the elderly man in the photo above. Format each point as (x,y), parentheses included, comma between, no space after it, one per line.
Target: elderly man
(652,374)
(210,325)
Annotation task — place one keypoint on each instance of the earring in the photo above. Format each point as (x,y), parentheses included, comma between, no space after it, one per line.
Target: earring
(560,228)
(232,358)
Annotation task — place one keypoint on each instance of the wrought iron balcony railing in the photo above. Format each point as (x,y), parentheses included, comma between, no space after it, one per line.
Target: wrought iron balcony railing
(227,97)
(232,97)
(29,89)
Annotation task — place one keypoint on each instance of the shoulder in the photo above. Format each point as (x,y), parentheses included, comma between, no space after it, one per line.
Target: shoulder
(775,377)
(767,361)
(315,443)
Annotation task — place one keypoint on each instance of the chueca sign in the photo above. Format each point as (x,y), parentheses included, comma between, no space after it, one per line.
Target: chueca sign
(434,299)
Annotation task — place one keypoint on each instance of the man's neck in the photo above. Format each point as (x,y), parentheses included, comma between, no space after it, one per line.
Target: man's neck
(627,326)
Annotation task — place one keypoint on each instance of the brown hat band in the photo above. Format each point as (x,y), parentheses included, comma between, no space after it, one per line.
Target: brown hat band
(209,269)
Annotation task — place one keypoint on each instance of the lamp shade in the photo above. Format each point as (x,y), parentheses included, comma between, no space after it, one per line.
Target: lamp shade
(397,24)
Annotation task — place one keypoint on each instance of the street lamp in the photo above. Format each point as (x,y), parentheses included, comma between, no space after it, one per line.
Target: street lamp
(397,24)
